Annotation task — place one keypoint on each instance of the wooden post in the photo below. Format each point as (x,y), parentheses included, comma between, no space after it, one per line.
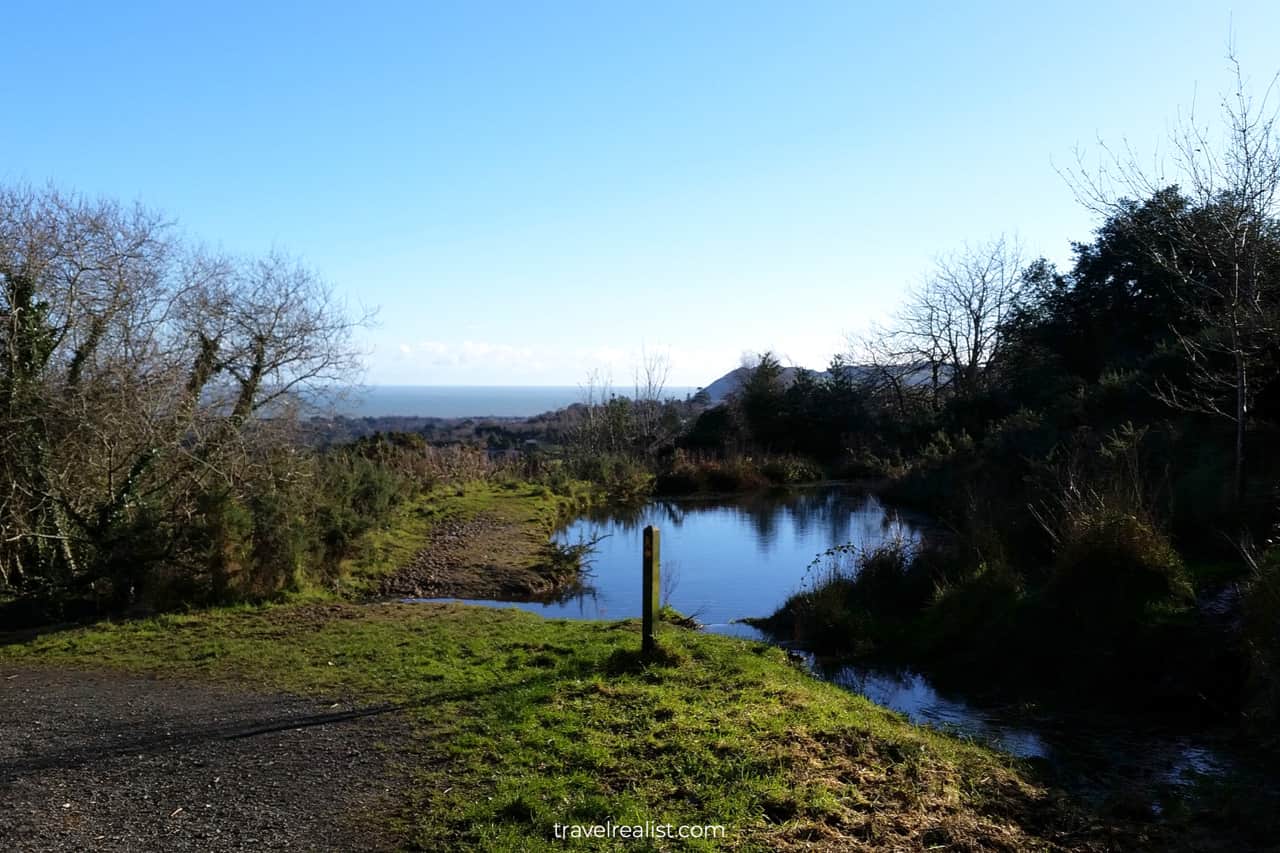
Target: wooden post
(651,583)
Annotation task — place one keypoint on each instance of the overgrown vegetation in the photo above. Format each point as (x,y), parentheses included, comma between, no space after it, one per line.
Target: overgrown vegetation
(1100,442)
(1261,626)
(149,392)
(521,723)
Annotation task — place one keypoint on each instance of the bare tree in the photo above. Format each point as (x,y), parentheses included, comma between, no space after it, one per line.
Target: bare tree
(132,371)
(591,435)
(881,370)
(651,375)
(1215,230)
(949,332)
(650,383)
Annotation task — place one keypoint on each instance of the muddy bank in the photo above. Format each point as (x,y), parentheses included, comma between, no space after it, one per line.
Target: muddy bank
(486,557)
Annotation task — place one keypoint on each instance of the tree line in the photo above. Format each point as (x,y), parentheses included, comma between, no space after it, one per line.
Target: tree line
(1169,316)
(1101,440)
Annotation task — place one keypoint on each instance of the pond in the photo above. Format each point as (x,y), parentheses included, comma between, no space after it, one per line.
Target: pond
(725,560)
(721,560)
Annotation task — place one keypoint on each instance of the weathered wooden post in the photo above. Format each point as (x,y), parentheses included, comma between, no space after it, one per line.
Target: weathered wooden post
(651,583)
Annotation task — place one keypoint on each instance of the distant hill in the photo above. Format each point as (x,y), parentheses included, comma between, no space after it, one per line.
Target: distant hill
(721,389)
(731,382)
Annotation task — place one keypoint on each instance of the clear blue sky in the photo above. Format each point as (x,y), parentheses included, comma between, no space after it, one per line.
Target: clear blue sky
(530,190)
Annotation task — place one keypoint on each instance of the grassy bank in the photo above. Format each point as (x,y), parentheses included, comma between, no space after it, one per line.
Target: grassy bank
(521,723)
(507,525)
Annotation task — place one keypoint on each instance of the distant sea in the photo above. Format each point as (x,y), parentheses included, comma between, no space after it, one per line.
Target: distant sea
(469,401)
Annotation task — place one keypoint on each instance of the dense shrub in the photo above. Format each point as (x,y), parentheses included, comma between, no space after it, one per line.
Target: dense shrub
(354,494)
(289,524)
(1261,630)
(622,477)
(891,580)
(687,473)
(858,599)
(221,531)
(1113,566)
(713,430)
(788,470)
(974,617)
(409,457)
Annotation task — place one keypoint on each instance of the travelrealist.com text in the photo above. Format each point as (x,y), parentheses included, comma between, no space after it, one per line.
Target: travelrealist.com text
(648,829)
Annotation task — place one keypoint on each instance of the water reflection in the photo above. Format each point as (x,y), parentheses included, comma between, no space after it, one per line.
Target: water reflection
(1089,756)
(911,694)
(726,560)
(723,560)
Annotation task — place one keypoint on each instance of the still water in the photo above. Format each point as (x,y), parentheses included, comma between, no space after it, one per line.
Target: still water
(723,561)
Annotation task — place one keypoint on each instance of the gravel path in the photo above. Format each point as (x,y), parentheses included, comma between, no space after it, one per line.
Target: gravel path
(108,761)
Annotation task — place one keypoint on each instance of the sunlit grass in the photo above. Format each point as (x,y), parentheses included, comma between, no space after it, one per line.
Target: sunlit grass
(520,723)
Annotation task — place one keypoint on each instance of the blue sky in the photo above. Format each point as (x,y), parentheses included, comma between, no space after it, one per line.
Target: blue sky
(529,191)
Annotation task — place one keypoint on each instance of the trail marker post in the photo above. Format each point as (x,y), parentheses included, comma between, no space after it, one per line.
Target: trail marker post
(649,610)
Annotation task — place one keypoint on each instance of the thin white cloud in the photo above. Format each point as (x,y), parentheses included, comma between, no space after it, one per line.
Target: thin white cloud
(489,362)
(467,354)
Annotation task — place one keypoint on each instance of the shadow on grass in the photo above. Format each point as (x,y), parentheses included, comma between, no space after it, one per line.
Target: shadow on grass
(635,661)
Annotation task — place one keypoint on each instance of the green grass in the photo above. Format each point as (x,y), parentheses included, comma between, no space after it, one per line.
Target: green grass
(519,723)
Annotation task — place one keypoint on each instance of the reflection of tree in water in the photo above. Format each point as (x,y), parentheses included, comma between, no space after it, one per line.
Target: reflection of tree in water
(632,517)
(833,514)
(806,510)
(840,515)
(803,511)
(592,612)
(876,523)
(834,511)
(892,521)
(670,511)
(859,678)
(625,516)
(761,512)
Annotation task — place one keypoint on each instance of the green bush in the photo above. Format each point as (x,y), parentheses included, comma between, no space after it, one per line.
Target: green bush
(788,470)
(353,494)
(222,533)
(1111,567)
(622,477)
(1261,632)
(973,616)
(857,599)
(688,473)
(279,546)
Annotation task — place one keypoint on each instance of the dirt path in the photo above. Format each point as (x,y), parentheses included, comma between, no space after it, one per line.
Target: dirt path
(482,557)
(108,761)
